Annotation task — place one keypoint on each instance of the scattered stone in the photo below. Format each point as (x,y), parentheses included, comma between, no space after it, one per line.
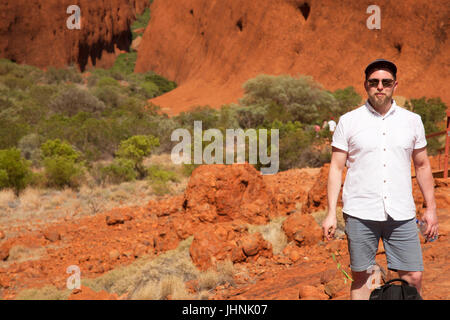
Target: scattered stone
(307,292)
(114,254)
(333,287)
(117,217)
(4,252)
(51,235)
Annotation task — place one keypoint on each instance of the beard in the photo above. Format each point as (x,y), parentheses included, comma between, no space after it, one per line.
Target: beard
(380,101)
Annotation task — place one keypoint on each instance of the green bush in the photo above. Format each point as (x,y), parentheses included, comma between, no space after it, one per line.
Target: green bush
(251,116)
(6,66)
(162,83)
(347,99)
(62,164)
(15,171)
(61,171)
(58,148)
(42,94)
(433,114)
(74,100)
(125,63)
(207,115)
(156,173)
(29,146)
(107,81)
(121,170)
(140,22)
(108,95)
(135,149)
(58,75)
(304,99)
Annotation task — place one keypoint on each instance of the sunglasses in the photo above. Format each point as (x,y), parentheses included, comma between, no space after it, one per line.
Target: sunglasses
(387,83)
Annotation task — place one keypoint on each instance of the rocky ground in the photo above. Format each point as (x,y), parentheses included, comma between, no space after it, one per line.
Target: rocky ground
(267,226)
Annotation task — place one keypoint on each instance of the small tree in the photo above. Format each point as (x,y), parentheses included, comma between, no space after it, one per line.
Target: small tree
(135,149)
(62,163)
(15,171)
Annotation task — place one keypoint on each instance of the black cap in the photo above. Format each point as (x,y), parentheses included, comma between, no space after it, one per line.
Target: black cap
(381,63)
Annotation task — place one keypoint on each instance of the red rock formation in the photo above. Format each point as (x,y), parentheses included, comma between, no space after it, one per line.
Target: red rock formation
(210,48)
(219,193)
(35,32)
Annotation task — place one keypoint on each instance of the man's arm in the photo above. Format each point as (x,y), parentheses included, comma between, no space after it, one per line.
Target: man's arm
(338,159)
(426,183)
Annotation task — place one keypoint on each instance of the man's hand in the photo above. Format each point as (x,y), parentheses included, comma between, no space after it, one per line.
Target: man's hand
(329,226)
(430,218)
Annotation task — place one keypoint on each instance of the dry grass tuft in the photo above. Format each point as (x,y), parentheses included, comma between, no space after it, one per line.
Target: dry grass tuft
(273,233)
(45,293)
(30,199)
(6,197)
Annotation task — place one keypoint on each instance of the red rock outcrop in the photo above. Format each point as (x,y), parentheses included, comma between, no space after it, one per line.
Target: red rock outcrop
(210,48)
(35,32)
(219,193)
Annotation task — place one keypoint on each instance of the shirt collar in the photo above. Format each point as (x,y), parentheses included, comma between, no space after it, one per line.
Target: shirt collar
(391,109)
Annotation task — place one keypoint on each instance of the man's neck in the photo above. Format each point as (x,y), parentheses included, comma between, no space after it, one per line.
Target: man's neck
(382,110)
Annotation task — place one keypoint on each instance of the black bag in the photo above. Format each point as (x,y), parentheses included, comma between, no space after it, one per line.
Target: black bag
(390,291)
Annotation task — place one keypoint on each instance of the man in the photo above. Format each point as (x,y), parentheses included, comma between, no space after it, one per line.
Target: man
(332,124)
(376,142)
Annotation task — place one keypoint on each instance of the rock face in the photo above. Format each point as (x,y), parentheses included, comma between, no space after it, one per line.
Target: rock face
(36,33)
(317,195)
(213,47)
(219,193)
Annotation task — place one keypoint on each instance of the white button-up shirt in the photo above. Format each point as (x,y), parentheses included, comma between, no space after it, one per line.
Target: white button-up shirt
(378,181)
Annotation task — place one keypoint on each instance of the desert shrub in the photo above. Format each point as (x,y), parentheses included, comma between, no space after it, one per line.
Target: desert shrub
(121,170)
(13,82)
(157,173)
(61,172)
(347,99)
(140,22)
(6,66)
(58,75)
(162,83)
(54,148)
(433,114)
(125,63)
(15,171)
(107,81)
(303,98)
(149,89)
(42,94)
(135,149)
(298,146)
(62,164)
(74,100)
(12,128)
(207,115)
(251,116)
(29,146)
(108,95)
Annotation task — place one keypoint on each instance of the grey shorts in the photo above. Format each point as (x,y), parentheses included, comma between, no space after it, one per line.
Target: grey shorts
(400,239)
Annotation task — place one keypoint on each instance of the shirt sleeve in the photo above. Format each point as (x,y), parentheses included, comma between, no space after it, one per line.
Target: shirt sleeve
(339,137)
(420,140)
